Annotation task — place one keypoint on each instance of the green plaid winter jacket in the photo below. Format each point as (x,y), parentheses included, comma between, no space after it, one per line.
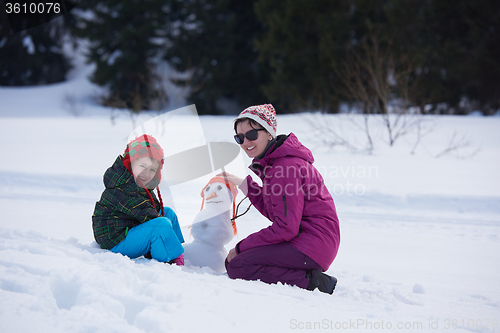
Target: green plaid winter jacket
(123,205)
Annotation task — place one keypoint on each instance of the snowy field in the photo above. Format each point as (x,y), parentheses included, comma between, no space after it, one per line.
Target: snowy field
(420,244)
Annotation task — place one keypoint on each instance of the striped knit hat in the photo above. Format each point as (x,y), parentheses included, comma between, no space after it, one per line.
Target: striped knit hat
(263,114)
(146,146)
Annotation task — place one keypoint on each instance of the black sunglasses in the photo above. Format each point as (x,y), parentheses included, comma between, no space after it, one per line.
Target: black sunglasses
(251,135)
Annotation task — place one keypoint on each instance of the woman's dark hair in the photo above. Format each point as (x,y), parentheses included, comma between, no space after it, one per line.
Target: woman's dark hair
(252,123)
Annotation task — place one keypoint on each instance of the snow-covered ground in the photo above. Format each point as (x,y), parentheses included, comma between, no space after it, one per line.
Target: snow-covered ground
(420,247)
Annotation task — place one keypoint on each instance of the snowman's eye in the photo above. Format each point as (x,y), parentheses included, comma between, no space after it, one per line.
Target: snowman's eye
(219,187)
(207,189)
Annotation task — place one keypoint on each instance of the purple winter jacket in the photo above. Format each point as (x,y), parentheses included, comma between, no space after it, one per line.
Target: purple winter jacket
(294,197)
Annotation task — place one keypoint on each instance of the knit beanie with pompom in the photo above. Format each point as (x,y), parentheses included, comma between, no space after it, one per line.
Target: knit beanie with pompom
(264,114)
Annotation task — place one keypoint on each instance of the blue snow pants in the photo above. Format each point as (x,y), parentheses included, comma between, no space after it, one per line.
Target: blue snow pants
(161,236)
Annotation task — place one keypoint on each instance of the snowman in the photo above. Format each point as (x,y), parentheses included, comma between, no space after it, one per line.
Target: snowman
(212,227)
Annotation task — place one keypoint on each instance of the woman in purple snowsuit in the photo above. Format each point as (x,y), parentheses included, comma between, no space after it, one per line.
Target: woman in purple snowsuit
(304,236)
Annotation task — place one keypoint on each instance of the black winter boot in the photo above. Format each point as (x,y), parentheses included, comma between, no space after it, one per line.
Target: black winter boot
(324,282)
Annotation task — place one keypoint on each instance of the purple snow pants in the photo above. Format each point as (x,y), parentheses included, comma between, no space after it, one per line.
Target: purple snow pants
(274,263)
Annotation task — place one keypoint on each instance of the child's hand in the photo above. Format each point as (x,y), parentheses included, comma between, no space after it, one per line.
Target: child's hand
(232,253)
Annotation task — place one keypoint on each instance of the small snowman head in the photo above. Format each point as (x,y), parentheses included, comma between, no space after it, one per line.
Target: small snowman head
(218,195)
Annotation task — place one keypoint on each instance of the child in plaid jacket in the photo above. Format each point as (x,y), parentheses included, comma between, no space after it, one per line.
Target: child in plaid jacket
(129,218)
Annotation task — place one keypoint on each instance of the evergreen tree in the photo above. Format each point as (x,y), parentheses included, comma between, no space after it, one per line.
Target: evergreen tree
(214,43)
(303,40)
(33,56)
(125,37)
(447,50)
(463,40)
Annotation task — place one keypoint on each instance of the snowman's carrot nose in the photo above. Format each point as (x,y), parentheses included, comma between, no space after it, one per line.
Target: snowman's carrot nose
(211,196)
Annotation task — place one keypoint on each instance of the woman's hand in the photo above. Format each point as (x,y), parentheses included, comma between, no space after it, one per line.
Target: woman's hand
(238,181)
(232,253)
(232,178)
